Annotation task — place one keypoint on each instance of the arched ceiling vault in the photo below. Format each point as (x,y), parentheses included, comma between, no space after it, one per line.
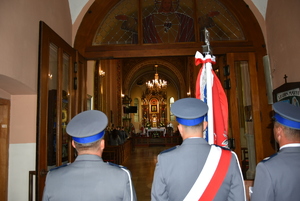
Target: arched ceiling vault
(145,71)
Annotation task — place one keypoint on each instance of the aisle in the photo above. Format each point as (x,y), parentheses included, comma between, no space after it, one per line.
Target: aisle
(142,164)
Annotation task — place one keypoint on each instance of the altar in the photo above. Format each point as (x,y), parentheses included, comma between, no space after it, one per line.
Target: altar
(152,130)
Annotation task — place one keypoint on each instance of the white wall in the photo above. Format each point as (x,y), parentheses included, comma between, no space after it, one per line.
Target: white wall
(21,161)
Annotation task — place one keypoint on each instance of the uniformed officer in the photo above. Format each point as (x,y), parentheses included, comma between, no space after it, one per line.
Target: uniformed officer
(277,177)
(196,170)
(88,177)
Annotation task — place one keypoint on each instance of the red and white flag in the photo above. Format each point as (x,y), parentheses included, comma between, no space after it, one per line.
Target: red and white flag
(210,90)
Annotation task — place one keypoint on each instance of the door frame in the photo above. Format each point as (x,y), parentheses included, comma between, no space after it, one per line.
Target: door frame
(77,101)
(260,108)
(4,146)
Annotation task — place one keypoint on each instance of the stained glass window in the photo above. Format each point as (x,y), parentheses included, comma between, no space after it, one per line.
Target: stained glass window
(218,20)
(167,21)
(120,25)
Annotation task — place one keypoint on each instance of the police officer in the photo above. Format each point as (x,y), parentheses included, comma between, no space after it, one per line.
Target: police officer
(88,177)
(196,170)
(277,177)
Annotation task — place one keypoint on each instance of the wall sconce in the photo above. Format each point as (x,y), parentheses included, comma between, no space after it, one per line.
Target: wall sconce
(50,76)
(188,93)
(101,73)
(122,95)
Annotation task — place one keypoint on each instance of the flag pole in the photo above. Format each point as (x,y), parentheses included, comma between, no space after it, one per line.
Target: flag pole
(210,90)
(208,66)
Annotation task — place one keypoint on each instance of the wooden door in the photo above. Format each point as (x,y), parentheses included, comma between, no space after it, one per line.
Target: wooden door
(4,123)
(61,95)
(244,108)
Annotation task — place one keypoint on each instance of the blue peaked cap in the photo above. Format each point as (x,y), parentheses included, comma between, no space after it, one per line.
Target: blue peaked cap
(287,114)
(189,111)
(88,126)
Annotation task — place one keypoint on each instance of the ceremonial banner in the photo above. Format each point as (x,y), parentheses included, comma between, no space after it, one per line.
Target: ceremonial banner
(210,90)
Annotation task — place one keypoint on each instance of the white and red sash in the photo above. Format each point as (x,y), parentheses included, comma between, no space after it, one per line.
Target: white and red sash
(212,175)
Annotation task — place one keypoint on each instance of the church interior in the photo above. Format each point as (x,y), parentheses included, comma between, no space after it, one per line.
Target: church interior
(132,59)
(145,60)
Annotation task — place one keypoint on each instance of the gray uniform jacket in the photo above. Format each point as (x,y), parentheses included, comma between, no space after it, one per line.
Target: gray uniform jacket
(177,170)
(88,178)
(278,177)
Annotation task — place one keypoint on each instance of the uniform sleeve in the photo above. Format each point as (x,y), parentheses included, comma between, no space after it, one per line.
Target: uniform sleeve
(263,188)
(129,191)
(158,191)
(237,187)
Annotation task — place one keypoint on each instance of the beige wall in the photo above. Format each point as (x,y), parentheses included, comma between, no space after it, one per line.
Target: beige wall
(22,114)
(19,38)
(283,28)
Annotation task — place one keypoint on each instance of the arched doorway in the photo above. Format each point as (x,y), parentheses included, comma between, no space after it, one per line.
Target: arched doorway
(120,30)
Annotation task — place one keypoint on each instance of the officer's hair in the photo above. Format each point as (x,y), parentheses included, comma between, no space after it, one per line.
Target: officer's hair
(88,146)
(195,127)
(290,133)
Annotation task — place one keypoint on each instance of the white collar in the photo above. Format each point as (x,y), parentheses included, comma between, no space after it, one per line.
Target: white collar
(290,145)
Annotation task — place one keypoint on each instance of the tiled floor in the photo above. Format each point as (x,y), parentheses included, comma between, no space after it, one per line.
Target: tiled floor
(142,164)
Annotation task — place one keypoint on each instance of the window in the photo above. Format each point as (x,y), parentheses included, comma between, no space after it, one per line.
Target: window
(167,21)
(172,117)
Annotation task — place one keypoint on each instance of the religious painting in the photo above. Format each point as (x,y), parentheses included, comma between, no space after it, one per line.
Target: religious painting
(166,21)
(119,25)
(153,108)
(154,105)
(153,102)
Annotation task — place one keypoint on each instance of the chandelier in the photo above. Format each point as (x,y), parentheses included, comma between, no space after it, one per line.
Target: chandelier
(156,83)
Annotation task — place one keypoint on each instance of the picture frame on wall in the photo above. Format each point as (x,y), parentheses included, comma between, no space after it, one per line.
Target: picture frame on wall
(153,108)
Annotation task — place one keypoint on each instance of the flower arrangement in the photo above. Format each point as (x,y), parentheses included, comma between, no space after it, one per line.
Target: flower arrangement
(148,125)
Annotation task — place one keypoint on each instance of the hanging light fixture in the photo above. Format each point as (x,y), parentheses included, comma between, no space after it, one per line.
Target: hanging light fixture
(156,83)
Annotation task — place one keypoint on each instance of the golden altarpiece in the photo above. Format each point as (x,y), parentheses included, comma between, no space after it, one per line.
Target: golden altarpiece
(154,108)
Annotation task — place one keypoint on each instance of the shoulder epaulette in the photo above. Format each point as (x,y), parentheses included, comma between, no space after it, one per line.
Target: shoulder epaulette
(64,165)
(168,150)
(225,148)
(116,165)
(268,158)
